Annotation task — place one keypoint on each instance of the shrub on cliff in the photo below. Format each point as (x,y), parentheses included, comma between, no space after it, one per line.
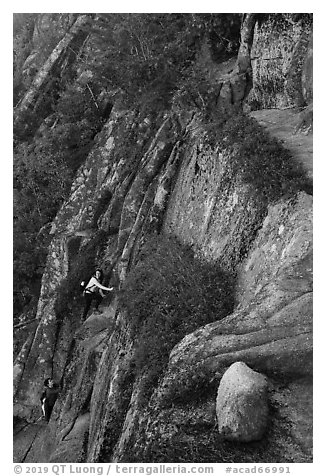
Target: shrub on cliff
(148,55)
(259,159)
(167,295)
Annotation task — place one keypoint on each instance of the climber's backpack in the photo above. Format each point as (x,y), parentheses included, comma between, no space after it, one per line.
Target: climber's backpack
(83,285)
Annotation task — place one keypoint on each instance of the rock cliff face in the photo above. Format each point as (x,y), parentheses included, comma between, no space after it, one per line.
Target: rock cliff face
(278,55)
(178,179)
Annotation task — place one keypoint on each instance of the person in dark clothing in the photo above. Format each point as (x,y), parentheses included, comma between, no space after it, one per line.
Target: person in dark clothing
(48,398)
(94,291)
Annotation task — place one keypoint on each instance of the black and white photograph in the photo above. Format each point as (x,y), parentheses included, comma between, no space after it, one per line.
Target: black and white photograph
(162,241)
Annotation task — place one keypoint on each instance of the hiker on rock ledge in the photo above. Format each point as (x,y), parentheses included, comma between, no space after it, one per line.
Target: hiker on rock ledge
(94,290)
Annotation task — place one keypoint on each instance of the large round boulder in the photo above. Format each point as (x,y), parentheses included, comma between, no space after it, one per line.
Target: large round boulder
(242,404)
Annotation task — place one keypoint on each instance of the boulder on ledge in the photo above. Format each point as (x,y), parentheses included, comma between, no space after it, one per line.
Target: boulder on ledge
(241,404)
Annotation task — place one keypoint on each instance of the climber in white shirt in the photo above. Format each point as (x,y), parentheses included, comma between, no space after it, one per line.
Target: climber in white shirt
(94,290)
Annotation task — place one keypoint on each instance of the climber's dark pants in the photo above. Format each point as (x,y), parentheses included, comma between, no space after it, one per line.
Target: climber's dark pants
(88,301)
(47,410)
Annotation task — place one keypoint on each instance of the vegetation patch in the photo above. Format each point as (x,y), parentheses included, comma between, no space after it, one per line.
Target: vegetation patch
(195,439)
(168,295)
(259,159)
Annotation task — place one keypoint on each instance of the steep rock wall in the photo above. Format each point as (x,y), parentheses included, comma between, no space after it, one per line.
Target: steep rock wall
(100,415)
(278,56)
(270,330)
(104,171)
(216,215)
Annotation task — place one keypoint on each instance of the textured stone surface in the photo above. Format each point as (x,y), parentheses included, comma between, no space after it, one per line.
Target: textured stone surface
(307,73)
(278,53)
(279,265)
(64,439)
(271,329)
(49,349)
(73,448)
(284,125)
(24,436)
(209,210)
(241,404)
(295,404)
(111,396)
(277,344)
